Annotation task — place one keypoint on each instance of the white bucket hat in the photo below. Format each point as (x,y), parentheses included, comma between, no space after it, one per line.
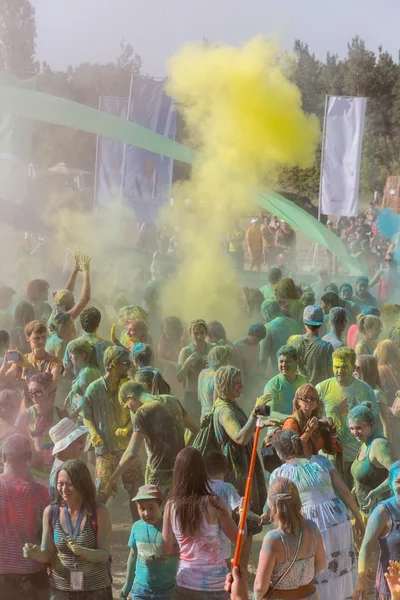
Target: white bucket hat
(64,433)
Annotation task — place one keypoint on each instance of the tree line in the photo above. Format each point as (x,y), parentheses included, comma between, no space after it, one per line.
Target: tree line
(361,73)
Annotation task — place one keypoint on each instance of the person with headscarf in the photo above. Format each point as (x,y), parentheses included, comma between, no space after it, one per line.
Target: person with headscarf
(107,421)
(278,328)
(64,300)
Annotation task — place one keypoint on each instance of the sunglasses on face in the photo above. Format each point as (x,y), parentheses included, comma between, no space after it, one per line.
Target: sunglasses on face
(35,393)
(309,399)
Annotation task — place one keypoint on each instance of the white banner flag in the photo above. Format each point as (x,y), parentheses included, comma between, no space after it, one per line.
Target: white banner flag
(340,173)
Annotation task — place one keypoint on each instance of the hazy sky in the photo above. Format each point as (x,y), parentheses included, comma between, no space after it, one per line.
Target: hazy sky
(73,31)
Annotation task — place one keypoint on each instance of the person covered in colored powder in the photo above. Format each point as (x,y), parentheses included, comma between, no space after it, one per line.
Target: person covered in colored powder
(150,574)
(84,359)
(108,423)
(337,326)
(278,328)
(37,421)
(280,391)
(64,300)
(160,422)
(22,503)
(234,434)
(255,245)
(369,328)
(287,296)
(314,355)
(248,349)
(37,293)
(383,527)
(217,357)
(274,277)
(363,297)
(39,360)
(340,394)
(62,332)
(23,314)
(192,360)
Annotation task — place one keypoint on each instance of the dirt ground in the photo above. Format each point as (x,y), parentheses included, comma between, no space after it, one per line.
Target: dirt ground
(121,527)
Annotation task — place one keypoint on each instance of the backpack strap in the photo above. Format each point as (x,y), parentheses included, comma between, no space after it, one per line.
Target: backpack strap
(53,515)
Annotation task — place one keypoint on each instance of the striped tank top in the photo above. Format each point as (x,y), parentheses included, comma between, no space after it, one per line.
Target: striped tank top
(96,576)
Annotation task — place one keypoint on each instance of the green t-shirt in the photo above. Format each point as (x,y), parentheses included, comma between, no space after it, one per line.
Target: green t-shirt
(338,402)
(315,356)
(279,330)
(154,570)
(282,393)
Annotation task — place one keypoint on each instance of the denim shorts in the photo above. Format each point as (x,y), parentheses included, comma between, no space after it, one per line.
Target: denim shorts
(139,592)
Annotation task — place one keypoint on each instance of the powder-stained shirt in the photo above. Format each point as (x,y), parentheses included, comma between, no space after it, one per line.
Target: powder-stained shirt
(44,365)
(86,376)
(333,339)
(205,391)
(278,331)
(281,393)
(21,510)
(231,498)
(154,570)
(338,402)
(100,345)
(160,421)
(314,358)
(55,346)
(103,409)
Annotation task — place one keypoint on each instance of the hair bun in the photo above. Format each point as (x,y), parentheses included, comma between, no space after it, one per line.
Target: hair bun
(367,404)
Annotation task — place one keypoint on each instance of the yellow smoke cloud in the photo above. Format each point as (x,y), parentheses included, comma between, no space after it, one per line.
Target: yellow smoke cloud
(245,119)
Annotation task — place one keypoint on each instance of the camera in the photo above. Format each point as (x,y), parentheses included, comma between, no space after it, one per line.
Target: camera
(263,410)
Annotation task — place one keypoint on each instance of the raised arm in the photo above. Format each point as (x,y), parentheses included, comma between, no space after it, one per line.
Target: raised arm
(85,294)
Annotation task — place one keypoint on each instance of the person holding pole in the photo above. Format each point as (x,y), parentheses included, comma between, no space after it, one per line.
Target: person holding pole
(234,435)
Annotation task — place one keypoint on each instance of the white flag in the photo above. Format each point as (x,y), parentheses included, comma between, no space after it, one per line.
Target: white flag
(344,127)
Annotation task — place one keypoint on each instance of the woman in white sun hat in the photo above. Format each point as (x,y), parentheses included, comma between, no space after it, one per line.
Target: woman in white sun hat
(69,442)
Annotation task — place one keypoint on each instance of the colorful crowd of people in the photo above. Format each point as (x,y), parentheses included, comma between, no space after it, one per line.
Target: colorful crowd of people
(319,369)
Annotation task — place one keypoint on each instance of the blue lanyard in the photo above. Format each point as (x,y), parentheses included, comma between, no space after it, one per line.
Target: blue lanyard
(74,533)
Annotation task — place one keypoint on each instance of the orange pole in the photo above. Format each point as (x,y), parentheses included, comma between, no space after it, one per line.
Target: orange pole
(247,493)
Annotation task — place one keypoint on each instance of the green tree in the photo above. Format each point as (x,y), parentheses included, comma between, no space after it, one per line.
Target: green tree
(17,36)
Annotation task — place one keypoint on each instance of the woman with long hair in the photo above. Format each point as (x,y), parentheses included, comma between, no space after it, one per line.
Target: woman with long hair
(84,359)
(191,361)
(388,357)
(294,538)
(76,538)
(193,519)
(23,314)
(37,420)
(369,328)
(376,456)
(367,370)
(316,434)
(325,499)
